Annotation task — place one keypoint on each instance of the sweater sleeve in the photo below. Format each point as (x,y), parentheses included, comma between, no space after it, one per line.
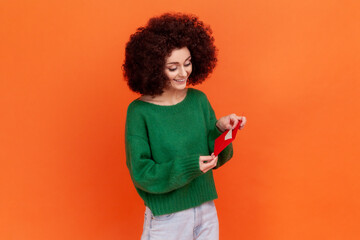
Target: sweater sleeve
(154,177)
(214,133)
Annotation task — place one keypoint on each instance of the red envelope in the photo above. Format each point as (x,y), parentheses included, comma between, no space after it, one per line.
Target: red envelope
(225,139)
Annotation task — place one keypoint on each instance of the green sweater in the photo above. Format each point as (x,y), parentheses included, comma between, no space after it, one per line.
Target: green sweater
(163,146)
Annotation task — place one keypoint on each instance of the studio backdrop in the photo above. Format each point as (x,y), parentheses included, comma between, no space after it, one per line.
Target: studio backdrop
(290,67)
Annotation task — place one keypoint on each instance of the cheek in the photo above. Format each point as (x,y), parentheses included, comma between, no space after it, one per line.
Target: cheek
(170,75)
(190,70)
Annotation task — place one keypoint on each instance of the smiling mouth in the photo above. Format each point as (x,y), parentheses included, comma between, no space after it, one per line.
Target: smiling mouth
(180,80)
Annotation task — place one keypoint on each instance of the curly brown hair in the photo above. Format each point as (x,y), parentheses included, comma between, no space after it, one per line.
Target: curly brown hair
(148,47)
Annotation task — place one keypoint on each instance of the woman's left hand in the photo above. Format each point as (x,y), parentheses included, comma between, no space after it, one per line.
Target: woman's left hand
(230,122)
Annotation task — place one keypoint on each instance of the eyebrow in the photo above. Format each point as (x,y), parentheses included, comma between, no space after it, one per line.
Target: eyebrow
(177,62)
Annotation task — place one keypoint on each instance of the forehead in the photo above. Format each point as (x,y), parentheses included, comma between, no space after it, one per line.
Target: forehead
(178,54)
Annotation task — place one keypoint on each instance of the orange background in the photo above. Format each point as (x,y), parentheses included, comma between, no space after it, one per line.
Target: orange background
(291,67)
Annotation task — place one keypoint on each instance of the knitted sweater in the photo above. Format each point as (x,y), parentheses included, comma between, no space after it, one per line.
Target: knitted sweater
(163,146)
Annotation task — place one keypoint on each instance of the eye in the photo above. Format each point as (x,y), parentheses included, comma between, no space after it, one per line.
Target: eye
(174,69)
(188,64)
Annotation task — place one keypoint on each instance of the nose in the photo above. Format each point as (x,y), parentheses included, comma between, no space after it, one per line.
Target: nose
(182,72)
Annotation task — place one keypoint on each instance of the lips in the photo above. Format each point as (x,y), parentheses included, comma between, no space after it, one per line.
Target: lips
(180,80)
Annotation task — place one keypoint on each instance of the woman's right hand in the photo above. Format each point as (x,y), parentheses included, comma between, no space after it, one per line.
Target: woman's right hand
(208,162)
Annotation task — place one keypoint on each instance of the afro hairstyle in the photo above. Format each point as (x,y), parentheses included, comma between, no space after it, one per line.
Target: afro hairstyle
(149,46)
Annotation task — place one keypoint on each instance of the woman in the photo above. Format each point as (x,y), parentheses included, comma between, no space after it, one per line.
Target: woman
(171,128)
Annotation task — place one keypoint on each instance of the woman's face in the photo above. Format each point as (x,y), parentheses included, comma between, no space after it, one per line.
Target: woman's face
(178,68)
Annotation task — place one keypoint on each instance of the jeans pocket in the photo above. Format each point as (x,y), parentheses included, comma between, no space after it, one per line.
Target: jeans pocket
(164,217)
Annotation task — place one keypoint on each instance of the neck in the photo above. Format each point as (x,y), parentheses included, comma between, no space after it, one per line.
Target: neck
(168,97)
(173,96)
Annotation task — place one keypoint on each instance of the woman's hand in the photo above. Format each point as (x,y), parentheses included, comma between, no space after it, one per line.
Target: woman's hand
(230,122)
(207,162)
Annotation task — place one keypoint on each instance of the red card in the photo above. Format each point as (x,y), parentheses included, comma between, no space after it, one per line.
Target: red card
(225,139)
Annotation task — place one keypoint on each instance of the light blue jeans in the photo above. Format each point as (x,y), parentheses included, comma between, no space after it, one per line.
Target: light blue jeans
(200,223)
